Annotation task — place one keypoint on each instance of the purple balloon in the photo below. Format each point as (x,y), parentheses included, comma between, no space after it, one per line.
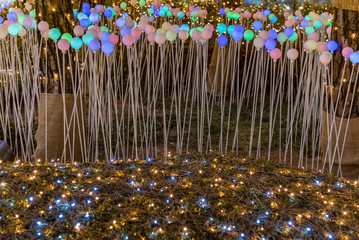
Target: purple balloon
(125,31)
(95,45)
(120,22)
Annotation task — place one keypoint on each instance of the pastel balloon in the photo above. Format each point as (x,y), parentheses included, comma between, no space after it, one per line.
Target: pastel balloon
(87,38)
(183,35)
(171,35)
(248,35)
(76,43)
(43,26)
(79,30)
(258,42)
(281,37)
(206,34)
(264,35)
(321,46)
(28,22)
(325,58)
(151,37)
(347,51)
(314,36)
(275,54)
(160,38)
(3,32)
(311,45)
(14,29)
(120,22)
(136,33)
(292,54)
(67,36)
(196,35)
(63,45)
(166,26)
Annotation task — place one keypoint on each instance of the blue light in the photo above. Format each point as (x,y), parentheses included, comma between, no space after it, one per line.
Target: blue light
(73,204)
(50,207)
(88,201)
(224,227)
(39,234)
(132,182)
(173,178)
(23,188)
(330,236)
(57,201)
(95,188)
(242,235)
(149,160)
(308,229)
(38,223)
(186,161)
(61,216)
(138,189)
(211,219)
(326,215)
(290,223)
(87,215)
(167,201)
(31,199)
(258,221)
(155,222)
(317,181)
(151,184)
(267,213)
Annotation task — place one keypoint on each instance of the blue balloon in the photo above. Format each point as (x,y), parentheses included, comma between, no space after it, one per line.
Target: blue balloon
(105,36)
(107,47)
(184,27)
(95,45)
(270,44)
(304,24)
(87,38)
(151,19)
(162,13)
(354,57)
(11,16)
(239,28)
(266,12)
(84,23)
(221,11)
(94,17)
(332,46)
(257,25)
(274,19)
(125,15)
(76,43)
(237,35)
(196,9)
(86,11)
(86,6)
(1,19)
(157,13)
(125,31)
(222,40)
(120,22)
(221,28)
(108,13)
(272,34)
(289,32)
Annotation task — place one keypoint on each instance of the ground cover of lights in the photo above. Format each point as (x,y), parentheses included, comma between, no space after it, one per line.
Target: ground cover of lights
(192,197)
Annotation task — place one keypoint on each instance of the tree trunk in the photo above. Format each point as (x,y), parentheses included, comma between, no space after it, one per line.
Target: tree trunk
(345,31)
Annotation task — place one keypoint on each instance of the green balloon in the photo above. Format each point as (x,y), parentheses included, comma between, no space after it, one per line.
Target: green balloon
(32,13)
(14,29)
(307,18)
(200,29)
(248,35)
(21,19)
(293,37)
(67,36)
(169,14)
(230,15)
(142,3)
(236,16)
(123,5)
(87,38)
(281,37)
(54,34)
(150,11)
(317,23)
(171,35)
(309,30)
(104,29)
(191,31)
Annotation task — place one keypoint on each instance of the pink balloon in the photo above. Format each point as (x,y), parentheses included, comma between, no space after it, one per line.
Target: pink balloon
(301,18)
(142,25)
(298,13)
(313,36)
(160,38)
(286,14)
(191,8)
(28,22)
(188,14)
(79,30)
(347,51)
(204,13)
(183,35)
(175,28)
(275,54)
(136,33)
(264,35)
(117,10)
(93,32)
(63,45)
(329,30)
(196,35)
(46,34)
(7,22)
(325,58)
(113,38)
(288,24)
(128,40)
(150,29)
(43,26)
(93,10)
(209,27)
(151,37)
(321,46)
(206,34)
(292,54)
(100,9)
(247,14)
(255,16)
(157,3)
(166,26)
